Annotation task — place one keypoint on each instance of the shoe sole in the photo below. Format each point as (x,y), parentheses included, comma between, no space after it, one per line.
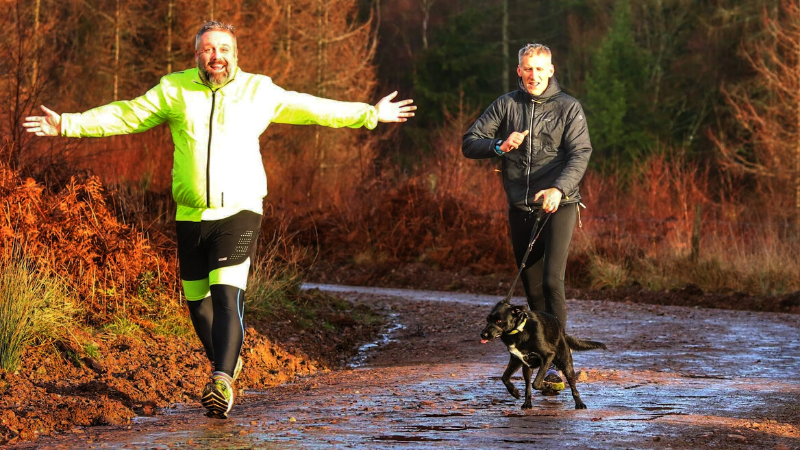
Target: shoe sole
(211,415)
(215,403)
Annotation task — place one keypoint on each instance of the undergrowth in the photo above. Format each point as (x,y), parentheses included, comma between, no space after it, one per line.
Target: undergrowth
(640,230)
(637,230)
(34,306)
(108,266)
(274,293)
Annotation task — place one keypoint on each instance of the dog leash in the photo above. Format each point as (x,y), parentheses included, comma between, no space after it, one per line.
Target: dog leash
(537,230)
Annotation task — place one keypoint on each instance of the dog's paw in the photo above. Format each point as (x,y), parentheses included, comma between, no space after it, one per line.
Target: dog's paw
(515,393)
(527,405)
(580,405)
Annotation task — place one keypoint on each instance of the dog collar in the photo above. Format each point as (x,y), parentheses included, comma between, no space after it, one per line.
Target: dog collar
(519,328)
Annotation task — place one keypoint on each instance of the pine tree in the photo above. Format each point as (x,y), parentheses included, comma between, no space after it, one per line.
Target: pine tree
(616,84)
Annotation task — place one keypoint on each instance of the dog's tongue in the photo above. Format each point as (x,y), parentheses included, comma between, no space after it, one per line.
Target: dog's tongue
(483,341)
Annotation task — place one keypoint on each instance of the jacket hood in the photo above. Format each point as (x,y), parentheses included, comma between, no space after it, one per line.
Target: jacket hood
(553,88)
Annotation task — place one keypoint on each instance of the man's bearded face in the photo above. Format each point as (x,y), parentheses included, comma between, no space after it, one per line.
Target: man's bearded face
(216,57)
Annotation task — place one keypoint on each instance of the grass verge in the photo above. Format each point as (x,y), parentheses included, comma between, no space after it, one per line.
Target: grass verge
(34,307)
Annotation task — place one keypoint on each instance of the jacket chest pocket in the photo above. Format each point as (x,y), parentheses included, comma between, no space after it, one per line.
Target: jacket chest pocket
(549,132)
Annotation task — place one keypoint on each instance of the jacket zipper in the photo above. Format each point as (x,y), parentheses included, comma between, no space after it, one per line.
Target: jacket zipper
(530,155)
(208,158)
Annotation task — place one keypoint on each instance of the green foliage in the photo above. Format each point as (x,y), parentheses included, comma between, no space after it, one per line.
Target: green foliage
(34,307)
(272,286)
(74,358)
(92,350)
(616,85)
(463,60)
(143,290)
(174,325)
(122,326)
(274,293)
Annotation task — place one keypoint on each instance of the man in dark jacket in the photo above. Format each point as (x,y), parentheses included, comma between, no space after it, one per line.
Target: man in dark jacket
(541,134)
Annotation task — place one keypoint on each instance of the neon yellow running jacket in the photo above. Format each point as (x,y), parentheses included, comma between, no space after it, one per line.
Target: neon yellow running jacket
(217,169)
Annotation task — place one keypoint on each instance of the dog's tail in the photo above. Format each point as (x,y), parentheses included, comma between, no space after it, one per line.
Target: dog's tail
(579,344)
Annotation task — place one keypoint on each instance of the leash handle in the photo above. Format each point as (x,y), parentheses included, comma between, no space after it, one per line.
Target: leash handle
(537,230)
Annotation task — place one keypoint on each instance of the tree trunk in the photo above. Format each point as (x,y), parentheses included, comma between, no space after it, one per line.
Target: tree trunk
(37,40)
(796,231)
(289,32)
(797,152)
(322,26)
(506,59)
(426,15)
(116,52)
(16,143)
(169,35)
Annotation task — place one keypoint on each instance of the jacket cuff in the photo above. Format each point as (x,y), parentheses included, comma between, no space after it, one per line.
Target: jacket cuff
(370,118)
(68,127)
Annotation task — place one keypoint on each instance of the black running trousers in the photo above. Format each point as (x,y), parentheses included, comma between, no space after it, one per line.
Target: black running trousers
(545,268)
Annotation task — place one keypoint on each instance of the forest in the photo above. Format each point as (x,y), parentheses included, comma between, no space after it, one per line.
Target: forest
(693,187)
(693,110)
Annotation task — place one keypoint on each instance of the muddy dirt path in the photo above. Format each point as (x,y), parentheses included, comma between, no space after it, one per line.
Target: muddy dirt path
(673,377)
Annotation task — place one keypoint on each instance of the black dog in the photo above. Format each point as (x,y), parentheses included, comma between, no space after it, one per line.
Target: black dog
(534,339)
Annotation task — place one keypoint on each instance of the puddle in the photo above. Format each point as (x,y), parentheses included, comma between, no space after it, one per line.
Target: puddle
(384,339)
(440,428)
(445,415)
(398,438)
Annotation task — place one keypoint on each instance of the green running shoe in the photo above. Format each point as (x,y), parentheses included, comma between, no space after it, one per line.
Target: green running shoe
(217,398)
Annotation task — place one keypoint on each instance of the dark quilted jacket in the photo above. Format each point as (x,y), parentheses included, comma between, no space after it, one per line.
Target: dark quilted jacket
(555,152)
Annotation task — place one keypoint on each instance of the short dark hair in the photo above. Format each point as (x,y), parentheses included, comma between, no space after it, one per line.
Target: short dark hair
(213,25)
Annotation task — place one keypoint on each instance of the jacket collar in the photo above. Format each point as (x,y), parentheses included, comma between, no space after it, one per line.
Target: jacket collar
(196,78)
(553,88)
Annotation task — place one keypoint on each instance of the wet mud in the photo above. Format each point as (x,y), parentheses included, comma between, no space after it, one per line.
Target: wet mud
(672,377)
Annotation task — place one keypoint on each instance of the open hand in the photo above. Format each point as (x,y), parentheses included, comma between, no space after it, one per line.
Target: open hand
(47,125)
(389,111)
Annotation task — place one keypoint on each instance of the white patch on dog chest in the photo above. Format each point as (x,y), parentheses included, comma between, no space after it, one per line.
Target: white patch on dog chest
(513,350)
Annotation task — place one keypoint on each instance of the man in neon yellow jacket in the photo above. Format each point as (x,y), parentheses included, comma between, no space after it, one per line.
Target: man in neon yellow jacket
(216,114)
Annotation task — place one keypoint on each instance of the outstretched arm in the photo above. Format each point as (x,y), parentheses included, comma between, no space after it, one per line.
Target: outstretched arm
(304,109)
(47,125)
(120,117)
(394,112)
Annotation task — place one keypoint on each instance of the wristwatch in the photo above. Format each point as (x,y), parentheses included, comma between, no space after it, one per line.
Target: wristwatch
(497,145)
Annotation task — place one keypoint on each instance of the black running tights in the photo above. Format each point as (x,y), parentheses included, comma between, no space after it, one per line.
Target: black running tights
(545,268)
(218,321)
